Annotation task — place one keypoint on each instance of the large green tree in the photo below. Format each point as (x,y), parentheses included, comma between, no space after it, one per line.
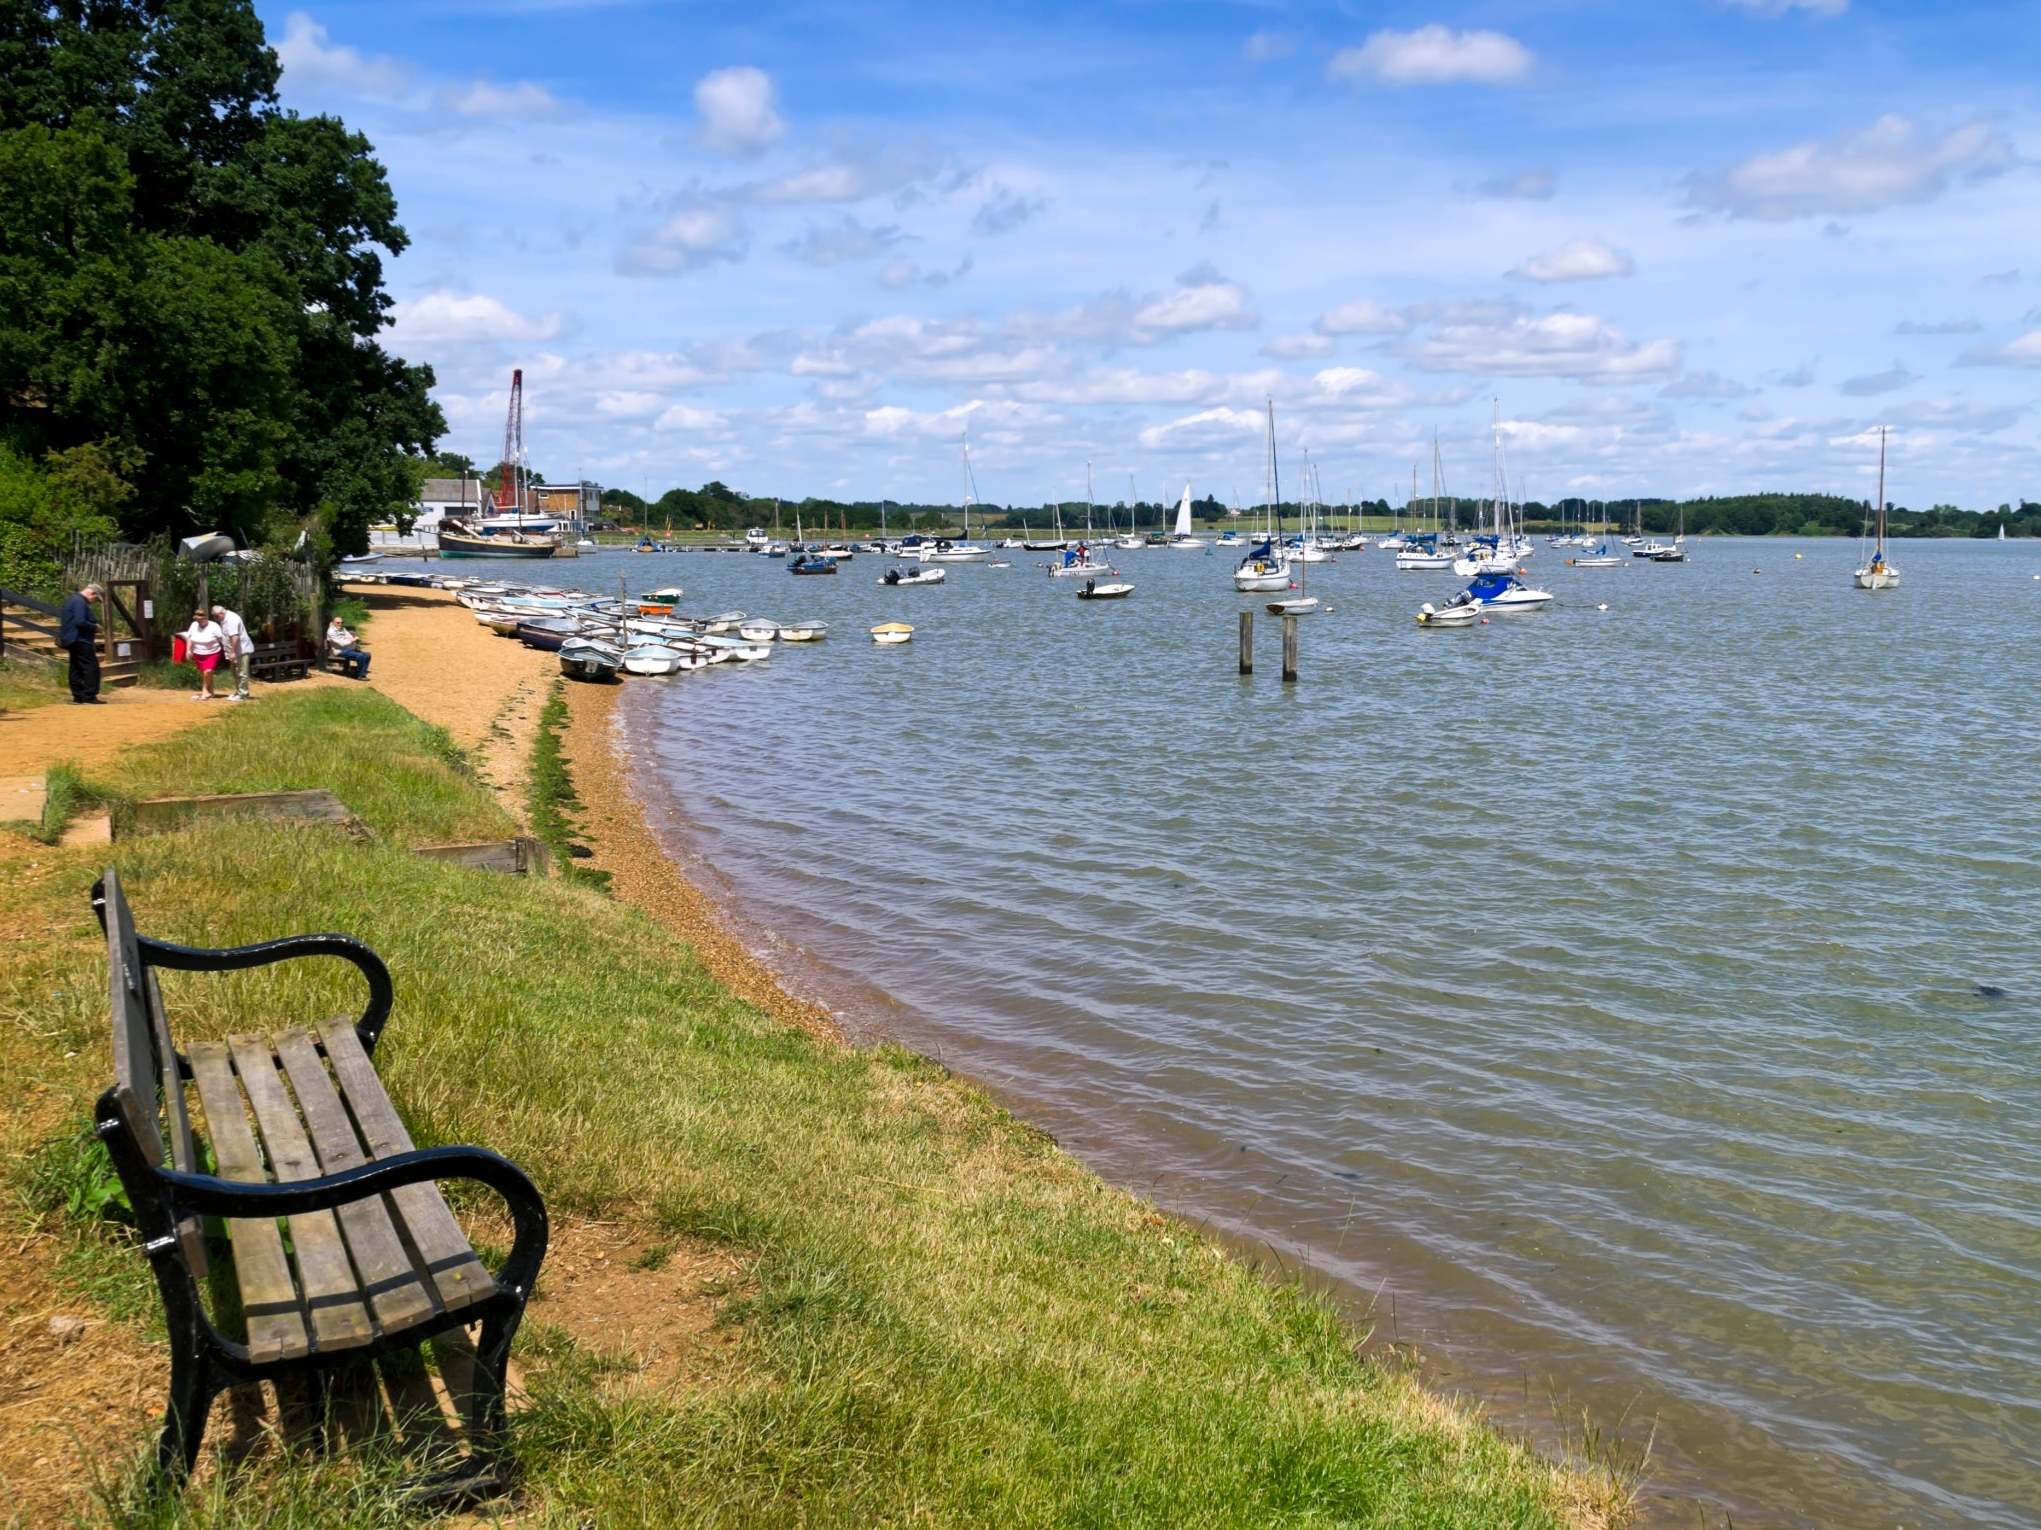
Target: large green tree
(191,277)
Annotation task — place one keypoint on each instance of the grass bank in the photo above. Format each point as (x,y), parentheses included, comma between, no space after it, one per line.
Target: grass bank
(935,1316)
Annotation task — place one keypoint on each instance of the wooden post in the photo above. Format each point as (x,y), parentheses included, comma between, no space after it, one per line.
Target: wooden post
(1289,648)
(1247,642)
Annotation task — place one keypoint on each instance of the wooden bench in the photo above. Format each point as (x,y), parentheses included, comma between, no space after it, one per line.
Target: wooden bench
(303,1133)
(330,661)
(276,661)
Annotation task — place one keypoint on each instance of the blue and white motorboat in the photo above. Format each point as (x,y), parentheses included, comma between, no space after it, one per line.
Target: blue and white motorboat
(1502,592)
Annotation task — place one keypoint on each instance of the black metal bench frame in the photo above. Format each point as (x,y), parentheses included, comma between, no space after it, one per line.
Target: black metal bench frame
(149,1076)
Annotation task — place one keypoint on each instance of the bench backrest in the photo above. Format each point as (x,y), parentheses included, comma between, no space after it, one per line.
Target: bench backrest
(148,1076)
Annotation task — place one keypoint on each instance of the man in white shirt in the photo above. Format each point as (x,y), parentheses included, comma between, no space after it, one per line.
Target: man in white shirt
(240,647)
(342,645)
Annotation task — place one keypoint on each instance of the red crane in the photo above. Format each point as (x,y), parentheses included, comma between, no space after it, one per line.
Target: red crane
(512,461)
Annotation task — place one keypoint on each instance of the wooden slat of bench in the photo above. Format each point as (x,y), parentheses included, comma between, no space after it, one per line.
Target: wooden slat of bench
(442,1247)
(269,1300)
(134,1064)
(399,1296)
(332,1294)
(183,1151)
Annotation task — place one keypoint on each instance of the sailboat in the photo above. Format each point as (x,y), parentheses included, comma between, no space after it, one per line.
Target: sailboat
(1265,567)
(1420,550)
(1132,539)
(1056,544)
(1181,537)
(1878,574)
(966,551)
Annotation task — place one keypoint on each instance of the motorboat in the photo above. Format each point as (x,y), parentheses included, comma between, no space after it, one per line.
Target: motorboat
(1429,615)
(1130,541)
(1672,553)
(652,659)
(887,633)
(811,563)
(1110,590)
(922,575)
(1503,592)
(835,551)
(999,563)
(754,536)
(804,632)
(757,629)
(1231,539)
(956,552)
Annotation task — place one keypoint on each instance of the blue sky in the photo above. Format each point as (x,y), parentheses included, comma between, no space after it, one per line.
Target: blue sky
(1683,246)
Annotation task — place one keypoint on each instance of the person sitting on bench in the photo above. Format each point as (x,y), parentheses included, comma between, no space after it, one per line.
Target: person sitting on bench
(340,643)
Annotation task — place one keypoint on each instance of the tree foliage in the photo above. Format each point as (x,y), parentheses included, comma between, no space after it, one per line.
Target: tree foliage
(192,276)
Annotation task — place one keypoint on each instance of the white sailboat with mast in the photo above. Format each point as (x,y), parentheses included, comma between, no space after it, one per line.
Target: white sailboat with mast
(1266,566)
(1181,537)
(1877,574)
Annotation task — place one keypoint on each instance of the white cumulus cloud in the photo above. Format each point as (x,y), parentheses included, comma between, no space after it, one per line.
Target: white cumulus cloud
(2023,352)
(1434,55)
(1575,345)
(484,98)
(1893,162)
(310,57)
(1208,427)
(1363,317)
(1196,305)
(736,110)
(442,317)
(691,239)
(1577,260)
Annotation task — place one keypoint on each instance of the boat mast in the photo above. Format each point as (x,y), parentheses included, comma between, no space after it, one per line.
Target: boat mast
(1881,492)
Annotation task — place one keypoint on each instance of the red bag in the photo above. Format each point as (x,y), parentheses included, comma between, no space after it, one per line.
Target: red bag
(177,648)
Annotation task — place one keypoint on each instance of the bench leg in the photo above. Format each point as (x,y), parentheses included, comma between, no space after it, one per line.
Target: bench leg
(492,1364)
(192,1388)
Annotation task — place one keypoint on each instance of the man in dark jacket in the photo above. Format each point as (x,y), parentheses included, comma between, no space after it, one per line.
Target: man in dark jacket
(78,635)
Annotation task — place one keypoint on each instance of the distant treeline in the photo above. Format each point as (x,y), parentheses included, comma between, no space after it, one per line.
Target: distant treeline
(717,507)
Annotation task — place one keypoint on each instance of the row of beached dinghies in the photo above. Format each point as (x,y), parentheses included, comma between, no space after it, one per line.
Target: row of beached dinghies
(601,637)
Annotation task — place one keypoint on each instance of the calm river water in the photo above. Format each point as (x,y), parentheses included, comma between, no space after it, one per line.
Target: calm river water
(1594,993)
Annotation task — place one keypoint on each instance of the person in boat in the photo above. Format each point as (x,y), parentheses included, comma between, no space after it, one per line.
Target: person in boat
(342,645)
(1091,586)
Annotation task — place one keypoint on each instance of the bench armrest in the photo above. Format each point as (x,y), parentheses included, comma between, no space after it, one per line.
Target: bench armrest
(209,1195)
(161,953)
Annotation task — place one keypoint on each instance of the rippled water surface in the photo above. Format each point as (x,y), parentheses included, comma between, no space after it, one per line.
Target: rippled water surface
(1592,991)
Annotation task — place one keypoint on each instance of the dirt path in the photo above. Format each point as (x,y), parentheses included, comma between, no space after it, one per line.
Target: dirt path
(436,661)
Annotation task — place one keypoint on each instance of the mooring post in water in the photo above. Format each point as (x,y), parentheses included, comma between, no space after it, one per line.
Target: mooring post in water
(1289,648)
(1247,642)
